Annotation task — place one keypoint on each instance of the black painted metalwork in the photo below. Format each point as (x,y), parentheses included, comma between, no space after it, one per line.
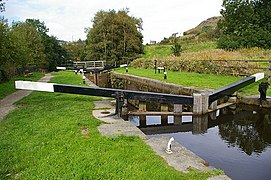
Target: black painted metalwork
(230,89)
(127,94)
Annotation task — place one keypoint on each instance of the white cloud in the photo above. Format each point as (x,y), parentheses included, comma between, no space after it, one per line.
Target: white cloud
(67,19)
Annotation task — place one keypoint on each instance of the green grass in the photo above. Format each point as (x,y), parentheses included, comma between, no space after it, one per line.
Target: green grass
(43,140)
(163,51)
(8,87)
(157,51)
(194,79)
(193,47)
(184,78)
(252,89)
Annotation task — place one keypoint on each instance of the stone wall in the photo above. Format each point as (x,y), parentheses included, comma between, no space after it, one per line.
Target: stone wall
(101,79)
(126,81)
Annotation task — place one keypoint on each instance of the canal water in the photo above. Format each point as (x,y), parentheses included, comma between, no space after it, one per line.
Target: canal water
(236,139)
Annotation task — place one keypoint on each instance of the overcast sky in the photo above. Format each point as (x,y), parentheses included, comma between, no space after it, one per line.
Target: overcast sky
(67,19)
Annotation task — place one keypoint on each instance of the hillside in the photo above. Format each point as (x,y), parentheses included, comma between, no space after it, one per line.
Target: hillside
(206,25)
(200,43)
(206,31)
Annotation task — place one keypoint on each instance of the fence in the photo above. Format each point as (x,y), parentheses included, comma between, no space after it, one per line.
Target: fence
(246,65)
(220,67)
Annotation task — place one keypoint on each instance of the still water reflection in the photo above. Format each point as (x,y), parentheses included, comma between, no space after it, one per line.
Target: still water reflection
(236,139)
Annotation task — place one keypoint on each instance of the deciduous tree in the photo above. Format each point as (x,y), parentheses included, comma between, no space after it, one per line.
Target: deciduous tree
(115,37)
(29,44)
(7,52)
(55,54)
(246,24)
(76,50)
(2,5)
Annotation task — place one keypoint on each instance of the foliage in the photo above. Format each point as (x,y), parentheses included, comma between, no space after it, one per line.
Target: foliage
(76,50)
(168,41)
(40,26)
(6,49)
(176,49)
(27,43)
(238,68)
(246,24)
(2,5)
(55,54)
(205,51)
(114,37)
(44,140)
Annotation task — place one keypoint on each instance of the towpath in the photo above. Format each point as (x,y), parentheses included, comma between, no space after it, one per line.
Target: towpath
(7,104)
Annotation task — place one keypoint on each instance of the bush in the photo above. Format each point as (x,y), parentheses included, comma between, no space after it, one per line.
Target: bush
(236,68)
(176,49)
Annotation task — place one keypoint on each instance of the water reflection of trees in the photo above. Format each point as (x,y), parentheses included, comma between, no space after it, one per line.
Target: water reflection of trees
(249,131)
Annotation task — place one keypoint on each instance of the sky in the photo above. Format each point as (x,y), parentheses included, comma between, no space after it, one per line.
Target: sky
(67,20)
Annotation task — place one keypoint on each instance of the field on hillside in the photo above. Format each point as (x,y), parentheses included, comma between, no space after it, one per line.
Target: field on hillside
(205,51)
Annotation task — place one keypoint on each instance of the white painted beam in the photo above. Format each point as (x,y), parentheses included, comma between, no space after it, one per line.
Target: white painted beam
(61,68)
(258,76)
(123,65)
(34,86)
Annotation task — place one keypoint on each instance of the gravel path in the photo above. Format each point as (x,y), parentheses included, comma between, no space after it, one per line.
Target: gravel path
(7,104)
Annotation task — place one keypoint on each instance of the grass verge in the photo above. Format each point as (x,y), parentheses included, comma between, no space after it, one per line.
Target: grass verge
(195,79)
(8,87)
(55,136)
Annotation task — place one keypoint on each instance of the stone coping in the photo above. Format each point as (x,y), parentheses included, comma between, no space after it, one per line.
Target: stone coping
(254,100)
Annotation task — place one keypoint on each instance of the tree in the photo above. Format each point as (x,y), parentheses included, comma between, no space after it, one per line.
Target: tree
(2,5)
(29,45)
(6,52)
(40,26)
(76,50)
(114,37)
(176,48)
(246,24)
(55,54)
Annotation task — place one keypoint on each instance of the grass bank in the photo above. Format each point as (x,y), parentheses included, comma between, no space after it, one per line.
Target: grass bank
(8,87)
(205,51)
(44,140)
(194,79)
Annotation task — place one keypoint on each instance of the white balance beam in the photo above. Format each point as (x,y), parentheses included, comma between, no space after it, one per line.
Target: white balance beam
(61,68)
(258,76)
(34,86)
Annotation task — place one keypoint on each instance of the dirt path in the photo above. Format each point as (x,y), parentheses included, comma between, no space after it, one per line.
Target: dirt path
(7,104)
